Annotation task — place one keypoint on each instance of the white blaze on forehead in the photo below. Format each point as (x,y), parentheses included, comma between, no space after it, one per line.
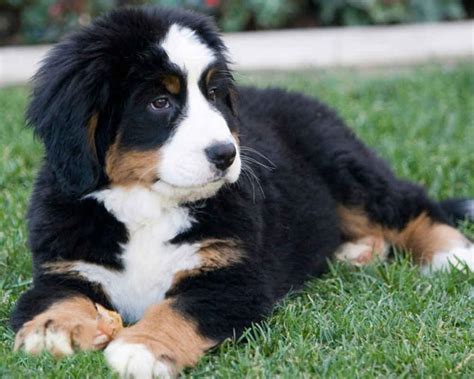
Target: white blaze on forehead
(183,160)
(184,49)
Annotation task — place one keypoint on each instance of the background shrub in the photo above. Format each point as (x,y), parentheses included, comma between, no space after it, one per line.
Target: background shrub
(44,21)
(366,12)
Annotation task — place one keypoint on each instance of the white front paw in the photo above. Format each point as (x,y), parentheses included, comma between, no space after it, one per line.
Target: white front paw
(459,258)
(132,360)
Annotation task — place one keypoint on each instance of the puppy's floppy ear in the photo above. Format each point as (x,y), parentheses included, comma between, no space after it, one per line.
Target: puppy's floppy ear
(69,92)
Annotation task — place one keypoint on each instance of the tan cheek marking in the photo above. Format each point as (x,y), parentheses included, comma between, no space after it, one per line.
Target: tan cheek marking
(131,167)
(214,254)
(168,335)
(86,326)
(422,236)
(172,84)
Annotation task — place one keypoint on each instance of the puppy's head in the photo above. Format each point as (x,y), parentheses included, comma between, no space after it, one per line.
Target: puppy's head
(140,97)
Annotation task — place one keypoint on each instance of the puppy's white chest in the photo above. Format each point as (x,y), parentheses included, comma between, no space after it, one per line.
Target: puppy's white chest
(150,264)
(150,261)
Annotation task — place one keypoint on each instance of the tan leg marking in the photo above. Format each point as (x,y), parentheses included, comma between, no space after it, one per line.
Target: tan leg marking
(161,344)
(356,225)
(69,325)
(214,254)
(422,236)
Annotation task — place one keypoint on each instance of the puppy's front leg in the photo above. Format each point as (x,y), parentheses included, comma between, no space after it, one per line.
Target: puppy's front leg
(70,324)
(201,310)
(159,345)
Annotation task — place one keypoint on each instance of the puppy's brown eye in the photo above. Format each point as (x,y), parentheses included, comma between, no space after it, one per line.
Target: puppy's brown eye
(212,94)
(160,103)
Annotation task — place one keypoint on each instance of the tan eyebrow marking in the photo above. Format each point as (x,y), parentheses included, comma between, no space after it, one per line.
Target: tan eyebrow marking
(209,74)
(172,84)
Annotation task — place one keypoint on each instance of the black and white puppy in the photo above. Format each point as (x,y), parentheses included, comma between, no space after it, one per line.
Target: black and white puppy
(190,206)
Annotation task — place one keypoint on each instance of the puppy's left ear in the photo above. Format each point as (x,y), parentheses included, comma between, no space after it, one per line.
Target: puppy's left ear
(69,93)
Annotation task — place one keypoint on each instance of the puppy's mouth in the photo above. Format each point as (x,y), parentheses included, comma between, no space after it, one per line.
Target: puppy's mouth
(188,188)
(216,180)
(188,193)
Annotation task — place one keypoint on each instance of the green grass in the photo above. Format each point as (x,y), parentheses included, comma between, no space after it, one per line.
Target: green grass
(381,321)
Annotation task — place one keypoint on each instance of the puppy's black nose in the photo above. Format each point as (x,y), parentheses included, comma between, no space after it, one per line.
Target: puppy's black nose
(221,155)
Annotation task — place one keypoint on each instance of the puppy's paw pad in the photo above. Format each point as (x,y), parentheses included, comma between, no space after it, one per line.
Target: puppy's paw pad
(133,360)
(363,251)
(60,337)
(57,342)
(458,258)
(34,339)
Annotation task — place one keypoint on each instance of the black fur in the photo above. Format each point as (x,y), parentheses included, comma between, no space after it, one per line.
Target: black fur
(459,209)
(288,227)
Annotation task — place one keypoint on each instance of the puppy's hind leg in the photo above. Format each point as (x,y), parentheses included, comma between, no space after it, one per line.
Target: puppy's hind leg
(363,251)
(435,245)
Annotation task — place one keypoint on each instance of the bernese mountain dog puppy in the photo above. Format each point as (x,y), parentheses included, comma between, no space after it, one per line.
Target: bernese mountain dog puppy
(189,205)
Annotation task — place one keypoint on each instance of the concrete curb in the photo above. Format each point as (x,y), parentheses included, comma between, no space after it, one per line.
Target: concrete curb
(306,48)
(362,46)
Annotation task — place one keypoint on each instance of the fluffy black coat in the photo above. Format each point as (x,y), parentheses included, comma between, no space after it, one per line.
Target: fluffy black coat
(287,223)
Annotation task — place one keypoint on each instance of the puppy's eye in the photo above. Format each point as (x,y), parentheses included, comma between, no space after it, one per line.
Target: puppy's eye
(160,103)
(211,94)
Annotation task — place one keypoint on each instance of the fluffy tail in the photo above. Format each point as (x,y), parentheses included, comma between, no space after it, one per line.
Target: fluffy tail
(459,210)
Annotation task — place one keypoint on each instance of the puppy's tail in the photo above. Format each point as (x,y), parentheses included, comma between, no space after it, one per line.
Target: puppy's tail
(459,210)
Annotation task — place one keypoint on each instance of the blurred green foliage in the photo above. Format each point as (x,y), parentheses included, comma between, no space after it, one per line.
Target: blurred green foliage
(43,21)
(367,12)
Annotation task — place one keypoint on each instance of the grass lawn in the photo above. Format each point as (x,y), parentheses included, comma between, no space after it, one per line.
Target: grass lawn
(381,321)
